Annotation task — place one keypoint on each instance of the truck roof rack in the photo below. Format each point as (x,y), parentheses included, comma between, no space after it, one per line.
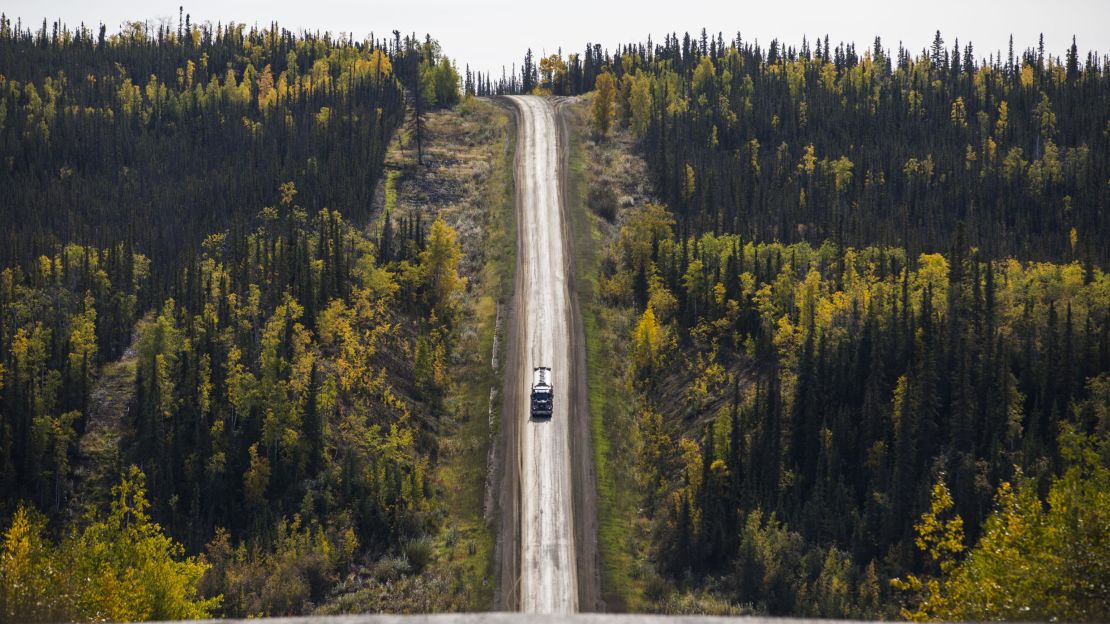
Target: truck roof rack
(541,377)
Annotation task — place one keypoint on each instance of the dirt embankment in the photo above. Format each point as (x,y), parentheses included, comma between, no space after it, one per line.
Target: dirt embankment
(581,443)
(466,180)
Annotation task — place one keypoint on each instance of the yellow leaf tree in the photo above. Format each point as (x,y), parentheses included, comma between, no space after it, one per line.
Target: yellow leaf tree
(604,90)
(439,263)
(648,341)
(121,567)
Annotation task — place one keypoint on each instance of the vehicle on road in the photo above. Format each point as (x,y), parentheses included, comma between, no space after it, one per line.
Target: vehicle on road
(542,393)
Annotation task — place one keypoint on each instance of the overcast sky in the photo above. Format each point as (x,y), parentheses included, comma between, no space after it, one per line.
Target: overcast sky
(490,33)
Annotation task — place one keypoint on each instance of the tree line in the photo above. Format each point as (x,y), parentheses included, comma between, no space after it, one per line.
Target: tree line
(190,130)
(865,146)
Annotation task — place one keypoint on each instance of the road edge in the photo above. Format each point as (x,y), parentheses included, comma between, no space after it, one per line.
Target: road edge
(508,544)
(583,471)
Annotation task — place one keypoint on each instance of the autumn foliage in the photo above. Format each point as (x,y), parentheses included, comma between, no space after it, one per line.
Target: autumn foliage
(199,343)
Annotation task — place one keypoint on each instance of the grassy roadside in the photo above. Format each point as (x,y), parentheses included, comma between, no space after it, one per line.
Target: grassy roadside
(466,540)
(467,180)
(611,415)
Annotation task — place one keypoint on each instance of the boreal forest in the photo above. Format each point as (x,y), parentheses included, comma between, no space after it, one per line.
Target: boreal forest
(847,314)
(863,322)
(216,390)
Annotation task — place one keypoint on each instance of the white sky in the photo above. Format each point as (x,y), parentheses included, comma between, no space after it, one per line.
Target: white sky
(490,33)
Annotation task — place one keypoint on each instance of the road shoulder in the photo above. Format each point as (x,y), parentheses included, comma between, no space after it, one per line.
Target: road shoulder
(580,256)
(507,488)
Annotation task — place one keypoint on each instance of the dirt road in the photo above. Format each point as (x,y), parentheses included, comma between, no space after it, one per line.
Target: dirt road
(539,556)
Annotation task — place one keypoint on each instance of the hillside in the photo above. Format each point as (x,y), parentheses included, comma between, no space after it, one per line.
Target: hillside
(279,401)
(797,411)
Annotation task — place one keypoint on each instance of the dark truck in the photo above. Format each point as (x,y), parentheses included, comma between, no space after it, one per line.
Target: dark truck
(542,393)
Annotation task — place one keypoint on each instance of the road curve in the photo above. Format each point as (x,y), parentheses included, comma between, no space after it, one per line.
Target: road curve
(548,581)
